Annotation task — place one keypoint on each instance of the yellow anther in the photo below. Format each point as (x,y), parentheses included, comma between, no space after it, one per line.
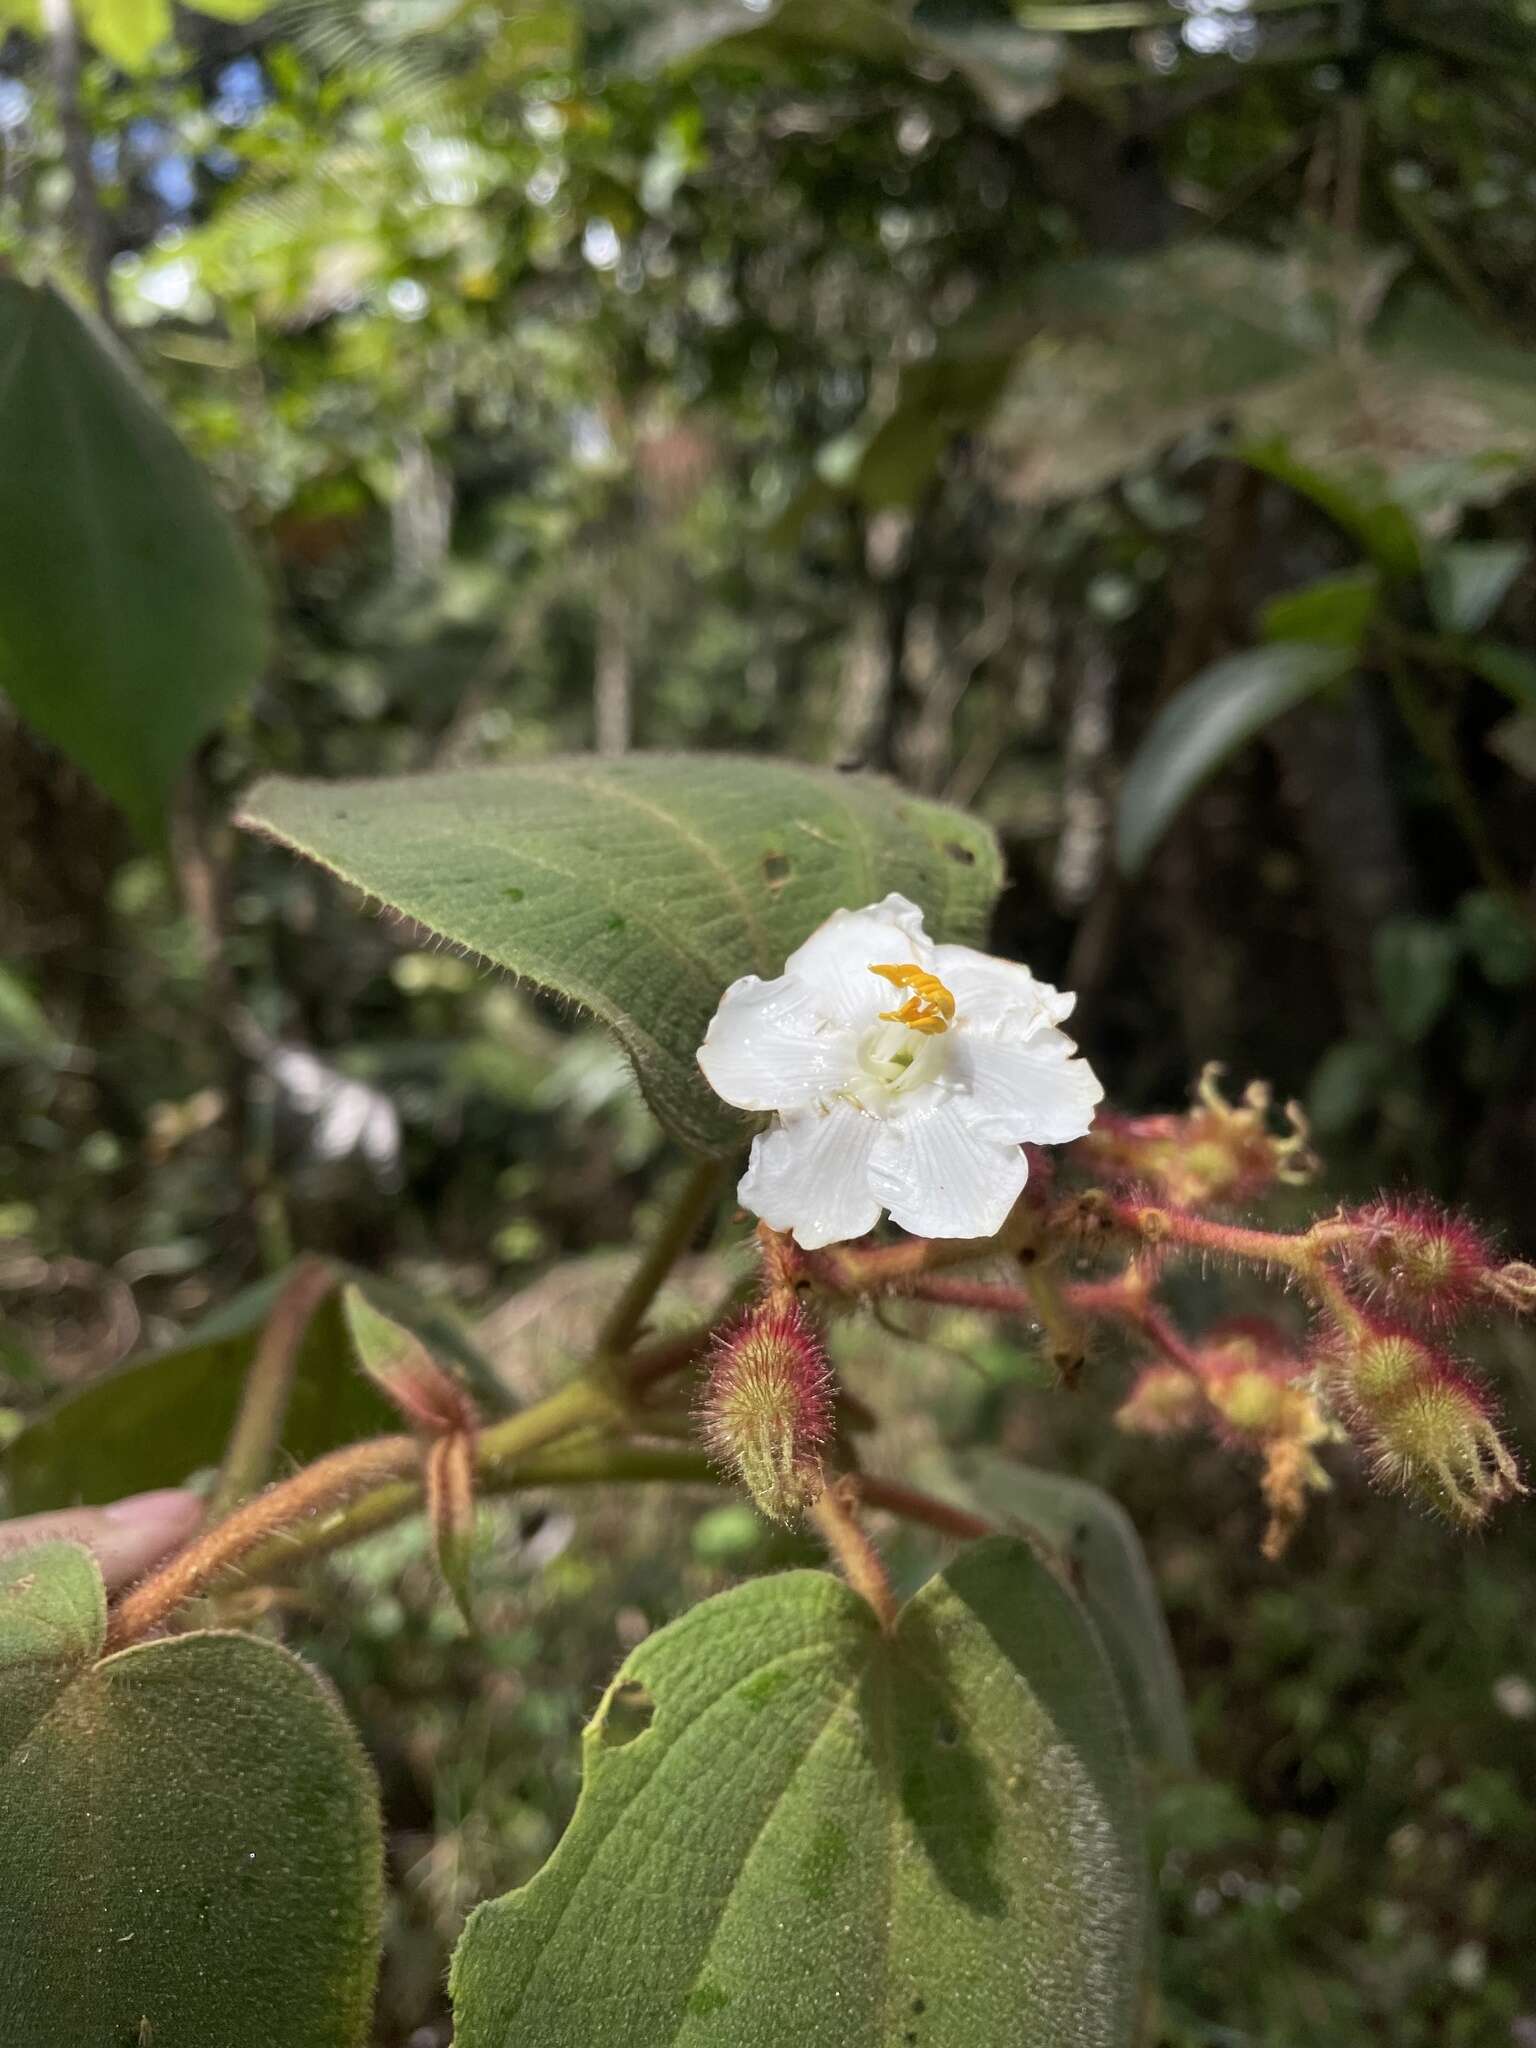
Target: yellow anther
(930,1008)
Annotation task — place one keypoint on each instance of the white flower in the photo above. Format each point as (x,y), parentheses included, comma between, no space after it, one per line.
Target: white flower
(903,1076)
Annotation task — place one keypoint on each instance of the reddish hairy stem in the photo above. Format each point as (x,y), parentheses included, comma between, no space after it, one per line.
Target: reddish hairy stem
(980,1294)
(326,1484)
(653,1363)
(912,1506)
(1112,1300)
(258,1426)
(858,1558)
(1159,1224)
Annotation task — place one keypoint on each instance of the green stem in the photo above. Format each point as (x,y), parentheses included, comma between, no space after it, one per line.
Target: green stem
(678,1229)
(577,1463)
(347,1475)
(258,1426)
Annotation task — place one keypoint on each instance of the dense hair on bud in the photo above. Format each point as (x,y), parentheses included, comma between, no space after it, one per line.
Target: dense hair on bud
(1419,1258)
(767,1407)
(1424,1423)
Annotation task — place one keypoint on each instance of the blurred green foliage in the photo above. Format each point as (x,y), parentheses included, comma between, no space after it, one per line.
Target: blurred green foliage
(947,388)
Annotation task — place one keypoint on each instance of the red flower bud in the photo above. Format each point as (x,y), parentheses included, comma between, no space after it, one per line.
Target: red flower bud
(1427,1427)
(767,1407)
(1420,1258)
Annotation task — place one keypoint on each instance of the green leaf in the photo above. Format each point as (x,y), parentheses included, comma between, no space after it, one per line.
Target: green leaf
(1347,1081)
(640,887)
(1468,581)
(127,31)
(25,1032)
(1415,963)
(155,1421)
(1332,611)
(1359,505)
(1207,721)
(1514,740)
(1013,72)
(1387,407)
(1506,668)
(1096,1543)
(192,1849)
(131,615)
(53,1615)
(1498,938)
(835,1838)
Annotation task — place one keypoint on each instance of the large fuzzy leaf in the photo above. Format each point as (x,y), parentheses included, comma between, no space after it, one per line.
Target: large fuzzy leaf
(190,1831)
(131,616)
(836,1838)
(640,887)
(1098,1548)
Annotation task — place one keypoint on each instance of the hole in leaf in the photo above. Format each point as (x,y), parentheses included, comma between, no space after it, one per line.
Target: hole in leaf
(963,854)
(919,2006)
(627,1715)
(945,1733)
(513,895)
(776,870)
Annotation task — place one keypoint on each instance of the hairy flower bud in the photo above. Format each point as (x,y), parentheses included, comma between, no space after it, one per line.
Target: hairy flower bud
(426,1394)
(767,1407)
(1220,1151)
(1164,1401)
(1243,1381)
(1419,1257)
(1425,1424)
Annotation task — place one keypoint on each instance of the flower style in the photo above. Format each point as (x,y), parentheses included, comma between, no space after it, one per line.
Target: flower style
(903,1076)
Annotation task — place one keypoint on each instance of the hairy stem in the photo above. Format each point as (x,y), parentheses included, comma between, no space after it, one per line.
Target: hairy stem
(334,1481)
(856,1556)
(1160,1224)
(330,1480)
(623,1321)
(911,1506)
(573,1463)
(258,1426)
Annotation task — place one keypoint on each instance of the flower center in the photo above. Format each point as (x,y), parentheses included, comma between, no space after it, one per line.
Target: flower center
(930,1008)
(906,1049)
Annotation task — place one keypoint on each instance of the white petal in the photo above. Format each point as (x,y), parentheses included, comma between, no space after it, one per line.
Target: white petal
(1036,1091)
(768,1047)
(838,955)
(810,1175)
(996,994)
(940,1178)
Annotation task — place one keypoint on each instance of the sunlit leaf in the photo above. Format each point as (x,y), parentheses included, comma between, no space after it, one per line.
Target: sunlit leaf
(127,31)
(813,1833)
(640,887)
